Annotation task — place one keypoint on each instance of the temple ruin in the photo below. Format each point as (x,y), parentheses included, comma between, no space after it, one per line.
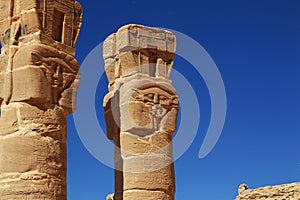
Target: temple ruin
(141,111)
(38,84)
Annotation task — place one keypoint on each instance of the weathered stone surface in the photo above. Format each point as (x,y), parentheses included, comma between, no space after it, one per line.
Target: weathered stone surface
(34,87)
(38,84)
(141,111)
(138,49)
(280,192)
(144,194)
(110,197)
(8,120)
(154,143)
(135,37)
(21,154)
(160,180)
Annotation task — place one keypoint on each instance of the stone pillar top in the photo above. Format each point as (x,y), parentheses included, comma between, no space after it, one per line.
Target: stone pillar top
(37,60)
(137,49)
(55,23)
(141,111)
(134,37)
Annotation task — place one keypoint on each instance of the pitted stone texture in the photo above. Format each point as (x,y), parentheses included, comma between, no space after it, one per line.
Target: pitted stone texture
(33,156)
(160,180)
(141,111)
(47,189)
(38,85)
(54,23)
(8,120)
(142,106)
(135,37)
(144,194)
(24,154)
(280,192)
(138,49)
(154,143)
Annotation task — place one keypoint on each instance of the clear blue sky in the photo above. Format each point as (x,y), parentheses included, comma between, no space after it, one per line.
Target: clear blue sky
(256,46)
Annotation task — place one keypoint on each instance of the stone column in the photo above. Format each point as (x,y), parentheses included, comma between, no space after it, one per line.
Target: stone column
(38,84)
(141,111)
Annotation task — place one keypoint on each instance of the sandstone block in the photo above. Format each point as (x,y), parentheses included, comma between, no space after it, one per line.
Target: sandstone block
(2,85)
(5,9)
(34,87)
(279,192)
(155,143)
(5,31)
(30,22)
(141,195)
(135,37)
(8,120)
(146,107)
(46,189)
(161,180)
(109,47)
(38,85)
(141,111)
(26,5)
(148,162)
(22,154)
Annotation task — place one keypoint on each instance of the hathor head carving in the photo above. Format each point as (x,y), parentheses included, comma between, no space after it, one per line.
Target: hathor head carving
(156,95)
(51,76)
(152,109)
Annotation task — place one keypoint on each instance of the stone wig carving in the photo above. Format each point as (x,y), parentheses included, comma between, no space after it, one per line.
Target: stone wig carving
(38,85)
(141,111)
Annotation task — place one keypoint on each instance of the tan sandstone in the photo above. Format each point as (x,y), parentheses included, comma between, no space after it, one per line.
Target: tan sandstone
(279,192)
(141,111)
(38,84)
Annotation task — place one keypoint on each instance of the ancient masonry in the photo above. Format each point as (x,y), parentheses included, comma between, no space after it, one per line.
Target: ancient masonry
(280,192)
(141,111)
(38,82)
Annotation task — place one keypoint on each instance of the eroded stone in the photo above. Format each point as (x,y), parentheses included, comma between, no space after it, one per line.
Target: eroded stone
(279,192)
(38,85)
(141,111)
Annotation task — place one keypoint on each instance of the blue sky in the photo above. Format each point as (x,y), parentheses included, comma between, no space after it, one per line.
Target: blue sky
(256,46)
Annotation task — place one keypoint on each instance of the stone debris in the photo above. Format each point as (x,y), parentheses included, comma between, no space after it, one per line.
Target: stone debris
(280,192)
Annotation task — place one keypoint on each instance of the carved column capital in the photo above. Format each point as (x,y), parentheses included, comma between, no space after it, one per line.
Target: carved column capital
(141,111)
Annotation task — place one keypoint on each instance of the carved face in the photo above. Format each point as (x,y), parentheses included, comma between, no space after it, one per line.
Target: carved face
(155,95)
(149,107)
(59,77)
(60,70)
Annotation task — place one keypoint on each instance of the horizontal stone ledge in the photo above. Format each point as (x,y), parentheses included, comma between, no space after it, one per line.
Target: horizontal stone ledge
(134,37)
(143,164)
(143,195)
(23,154)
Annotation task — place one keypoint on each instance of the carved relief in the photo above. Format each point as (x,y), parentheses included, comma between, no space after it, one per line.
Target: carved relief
(38,84)
(141,111)
(59,74)
(77,22)
(151,105)
(51,76)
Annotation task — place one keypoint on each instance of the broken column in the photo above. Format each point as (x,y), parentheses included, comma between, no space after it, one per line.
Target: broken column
(38,84)
(141,111)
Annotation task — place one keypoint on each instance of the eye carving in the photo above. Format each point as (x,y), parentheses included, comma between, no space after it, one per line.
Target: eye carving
(156,96)
(163,98)
(150,96)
